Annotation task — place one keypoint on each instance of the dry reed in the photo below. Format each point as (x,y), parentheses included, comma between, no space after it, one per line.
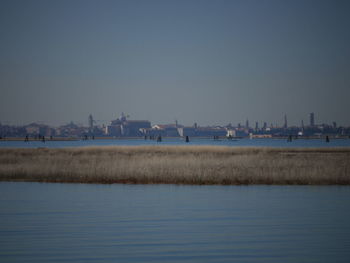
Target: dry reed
(177,165)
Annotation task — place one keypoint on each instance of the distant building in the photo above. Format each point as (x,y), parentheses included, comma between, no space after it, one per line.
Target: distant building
(285,125)
(39,129)
(128,128)
(175,130)
(187,131)
(312,119)
(134,128)
(231,133)
(260,136)
(71,130)
(210,131)
(167,130)
(33,129)
(114,130)
(91,124)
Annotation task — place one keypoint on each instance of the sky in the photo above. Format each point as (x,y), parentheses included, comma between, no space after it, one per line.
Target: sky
(209,62)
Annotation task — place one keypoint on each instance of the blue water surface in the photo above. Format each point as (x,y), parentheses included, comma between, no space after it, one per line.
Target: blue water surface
(41,222)
(179,141)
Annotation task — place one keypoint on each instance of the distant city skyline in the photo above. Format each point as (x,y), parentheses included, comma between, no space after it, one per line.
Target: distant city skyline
(310,120)
(209,62)
(126,127)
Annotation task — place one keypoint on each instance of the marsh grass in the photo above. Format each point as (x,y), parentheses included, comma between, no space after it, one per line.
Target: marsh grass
(177,165)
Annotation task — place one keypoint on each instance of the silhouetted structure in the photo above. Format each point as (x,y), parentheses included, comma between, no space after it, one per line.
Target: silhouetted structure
(285,125)
(312,119)
(142,128)
(124,127)
(187,139)
(91,124)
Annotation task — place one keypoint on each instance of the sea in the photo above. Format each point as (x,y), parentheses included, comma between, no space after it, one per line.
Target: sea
(263,142)
(53,222)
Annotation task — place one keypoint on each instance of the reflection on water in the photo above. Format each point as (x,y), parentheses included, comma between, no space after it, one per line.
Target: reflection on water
(179,141)
(167,223)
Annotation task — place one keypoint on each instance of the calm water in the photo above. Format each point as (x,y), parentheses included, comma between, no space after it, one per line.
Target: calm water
(178,141)
(167,223)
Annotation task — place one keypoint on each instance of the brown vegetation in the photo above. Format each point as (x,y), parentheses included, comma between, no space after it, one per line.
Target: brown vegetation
(177,165)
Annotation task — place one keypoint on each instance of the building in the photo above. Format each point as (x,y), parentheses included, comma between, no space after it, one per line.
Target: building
(134,127)
(210,131)
(127,128)
(187,131)
(113,130)
(285,125)
(36,129)
(33,129)
(91,124)
(231,133)
(71,130)
(167,130)
(312,119)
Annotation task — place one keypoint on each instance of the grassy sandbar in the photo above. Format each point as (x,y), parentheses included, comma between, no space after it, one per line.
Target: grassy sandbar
(177,165)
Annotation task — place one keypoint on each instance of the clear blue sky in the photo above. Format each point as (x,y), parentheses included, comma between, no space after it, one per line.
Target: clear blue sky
(210,62)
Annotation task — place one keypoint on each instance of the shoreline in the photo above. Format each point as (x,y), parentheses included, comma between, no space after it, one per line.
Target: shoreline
(186,165)
(48,139)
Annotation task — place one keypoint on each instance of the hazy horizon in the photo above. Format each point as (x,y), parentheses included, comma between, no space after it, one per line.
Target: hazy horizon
(209,62)
(97,122)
